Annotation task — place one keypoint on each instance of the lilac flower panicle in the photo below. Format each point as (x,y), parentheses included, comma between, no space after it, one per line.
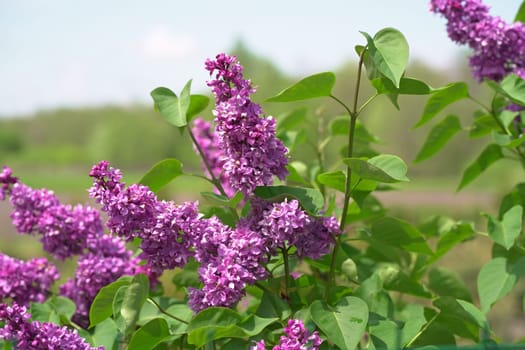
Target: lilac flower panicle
(29,205)
(166,230)
(7,180)
(167,243)
(499,47)
(296,337)
(34,335)
(26,281)
(64,229)
(253,155)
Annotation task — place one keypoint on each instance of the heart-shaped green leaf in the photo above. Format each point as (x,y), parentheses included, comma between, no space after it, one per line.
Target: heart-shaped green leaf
(343,324)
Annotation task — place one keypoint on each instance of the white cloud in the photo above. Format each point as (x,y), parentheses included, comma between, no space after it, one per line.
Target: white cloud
(161,43)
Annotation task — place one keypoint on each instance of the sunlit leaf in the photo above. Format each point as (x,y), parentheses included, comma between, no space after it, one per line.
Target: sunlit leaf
(317,85)
(506,231)
(488,156)
(161,174)
(496,279)
(438,137)
(343,324)
(310,199)
(442,98)
(388,50)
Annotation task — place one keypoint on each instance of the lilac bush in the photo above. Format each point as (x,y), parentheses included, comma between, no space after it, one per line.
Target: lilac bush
(268,258)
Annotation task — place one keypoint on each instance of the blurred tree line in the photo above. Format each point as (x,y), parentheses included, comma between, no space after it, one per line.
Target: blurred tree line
(135,137)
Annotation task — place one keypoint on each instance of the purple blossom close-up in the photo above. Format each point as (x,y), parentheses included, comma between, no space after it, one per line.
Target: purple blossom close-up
(26,281)
(498,47)
(34,335)
(296,337)
(7,180)
(64,229)
(166,230)
(253,155)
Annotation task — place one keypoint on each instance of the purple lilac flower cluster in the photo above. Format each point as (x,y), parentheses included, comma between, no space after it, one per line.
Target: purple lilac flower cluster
(164,228)
(286,224)
(6,181)
(499,47)
(231,259)
(209,143)
(297,338)
(26,281)
(252,153)
(29,335)
(64,229)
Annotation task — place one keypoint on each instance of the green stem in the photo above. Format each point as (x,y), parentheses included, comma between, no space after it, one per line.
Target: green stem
(152,301)
(286,272)
(214,179)
(350,151)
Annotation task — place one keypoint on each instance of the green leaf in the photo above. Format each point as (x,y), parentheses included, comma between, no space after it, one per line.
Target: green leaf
(198,103)
(520,15)
(341,126)
(388,51)
(253,324)
(438,137)
(105,334)
(444,282)
(496,279)
(407,86)
(149,335)
(161,174)
(294,119)
(457,234)
(219,199)
(134,297)
(317,85)
(507,140)
(483,124)
(310,199)
(343,324)
(512,87)
(440,99)
(456,318)
(214,323)
(62,306)
(505,232)
(385,335)
(383,168)
(398,233)
(174,109)
(488,156)
(296,171)
(43,313)
(272,306)
(102,306)
(414,317)
(334,179)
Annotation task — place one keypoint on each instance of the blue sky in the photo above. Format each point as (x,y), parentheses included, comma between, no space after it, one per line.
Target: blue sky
(58,53)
